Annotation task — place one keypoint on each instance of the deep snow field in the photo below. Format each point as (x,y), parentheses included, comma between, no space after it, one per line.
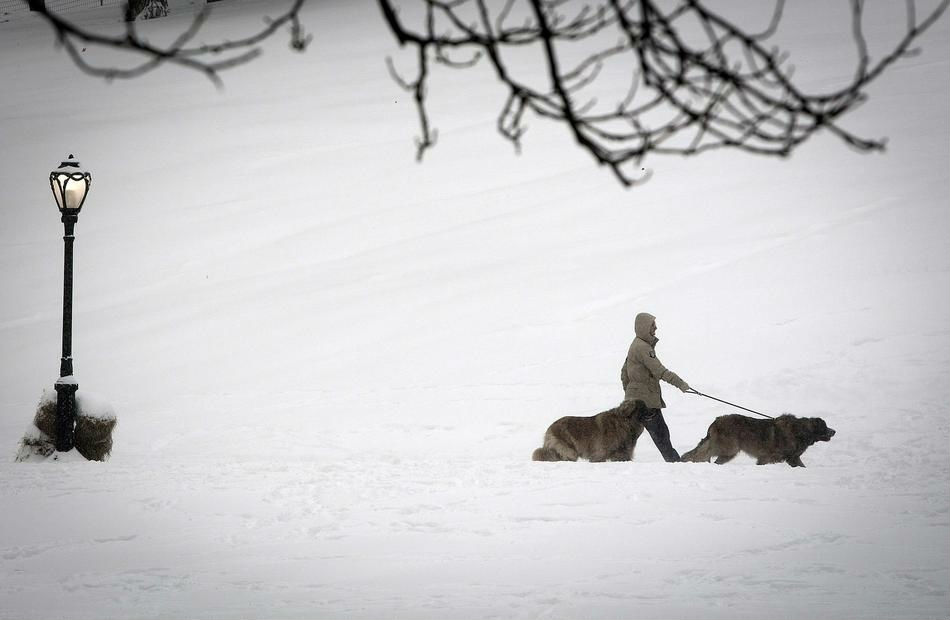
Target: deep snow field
(330,364)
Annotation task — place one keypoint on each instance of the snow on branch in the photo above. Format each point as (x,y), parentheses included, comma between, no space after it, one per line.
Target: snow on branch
(693,81)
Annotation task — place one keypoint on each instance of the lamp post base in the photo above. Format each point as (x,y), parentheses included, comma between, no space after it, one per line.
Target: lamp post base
(66,389)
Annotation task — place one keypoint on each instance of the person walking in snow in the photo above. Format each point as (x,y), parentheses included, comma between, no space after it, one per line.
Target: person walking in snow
(641,375)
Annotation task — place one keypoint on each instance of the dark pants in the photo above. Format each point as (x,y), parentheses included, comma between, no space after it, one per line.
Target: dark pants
(655,424)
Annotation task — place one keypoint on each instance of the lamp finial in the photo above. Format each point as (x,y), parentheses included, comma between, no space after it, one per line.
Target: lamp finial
(70,163)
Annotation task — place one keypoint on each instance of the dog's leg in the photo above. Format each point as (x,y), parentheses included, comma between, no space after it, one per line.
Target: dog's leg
(722,459)
(564,451)
(723,446)
(555,448)
(622,454)
(567,454)
(795,461)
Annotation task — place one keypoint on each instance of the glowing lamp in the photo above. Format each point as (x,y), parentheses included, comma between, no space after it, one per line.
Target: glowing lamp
(70,186)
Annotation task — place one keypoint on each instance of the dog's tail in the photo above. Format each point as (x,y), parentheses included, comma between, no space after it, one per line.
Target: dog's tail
(699,453)
(545,454)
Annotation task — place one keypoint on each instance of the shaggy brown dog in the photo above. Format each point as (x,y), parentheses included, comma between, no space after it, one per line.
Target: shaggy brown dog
(784,438)
(608,436)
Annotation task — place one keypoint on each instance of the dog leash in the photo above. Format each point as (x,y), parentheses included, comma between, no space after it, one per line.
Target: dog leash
(692,391)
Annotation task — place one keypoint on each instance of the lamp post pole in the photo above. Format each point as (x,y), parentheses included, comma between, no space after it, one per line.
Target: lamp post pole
(67,386)
(70,187)
(66,364)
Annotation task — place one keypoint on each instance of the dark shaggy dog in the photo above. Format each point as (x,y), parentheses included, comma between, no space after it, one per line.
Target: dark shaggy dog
(784,438)
(608,436)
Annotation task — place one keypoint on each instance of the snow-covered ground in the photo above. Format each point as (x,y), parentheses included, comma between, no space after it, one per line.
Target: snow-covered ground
(330,364)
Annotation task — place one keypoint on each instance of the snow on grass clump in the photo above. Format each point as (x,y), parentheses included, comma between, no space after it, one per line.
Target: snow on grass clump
(95,420)
(35,445)
(93,407)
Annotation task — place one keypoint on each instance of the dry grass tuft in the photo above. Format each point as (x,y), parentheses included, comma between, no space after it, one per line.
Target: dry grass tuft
(92,437)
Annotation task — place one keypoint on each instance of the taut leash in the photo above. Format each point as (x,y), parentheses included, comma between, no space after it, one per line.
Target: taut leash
(692,391)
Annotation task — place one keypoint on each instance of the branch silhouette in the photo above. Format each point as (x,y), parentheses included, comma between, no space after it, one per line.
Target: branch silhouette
(209,59)
(627,78)
(694,81)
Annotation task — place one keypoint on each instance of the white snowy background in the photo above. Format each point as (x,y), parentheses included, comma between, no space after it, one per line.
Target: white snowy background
(330,364)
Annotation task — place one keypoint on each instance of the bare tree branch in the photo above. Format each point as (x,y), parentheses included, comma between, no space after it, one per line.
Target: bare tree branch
(209,59)
(681,97)
(627,78)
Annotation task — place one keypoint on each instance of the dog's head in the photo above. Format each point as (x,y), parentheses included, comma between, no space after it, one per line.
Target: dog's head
(636,409)
(820,430)
(806,430)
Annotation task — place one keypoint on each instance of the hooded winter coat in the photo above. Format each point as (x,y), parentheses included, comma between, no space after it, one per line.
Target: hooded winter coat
(642,371)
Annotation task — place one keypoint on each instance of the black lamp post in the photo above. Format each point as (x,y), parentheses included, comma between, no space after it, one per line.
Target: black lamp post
(70,186)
